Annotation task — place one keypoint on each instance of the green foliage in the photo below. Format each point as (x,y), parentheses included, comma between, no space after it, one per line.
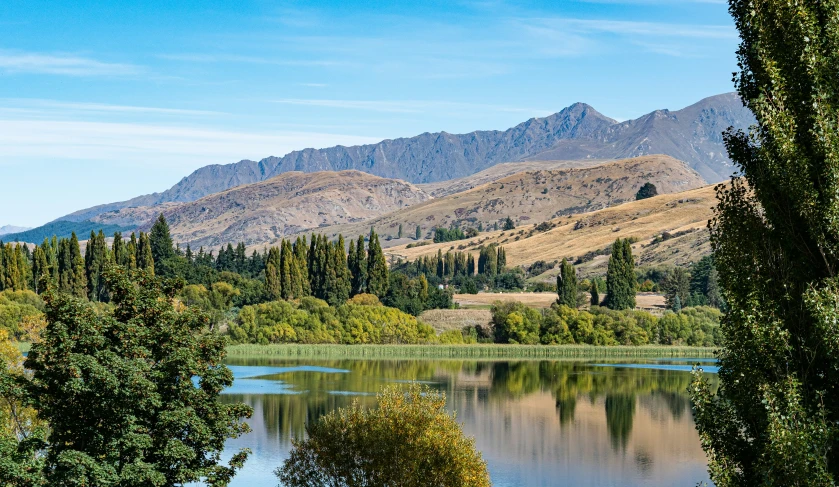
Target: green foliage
(377,271)
(773,420)
(448,234)
(509,224)
(314,321)
(15,308)
(677,288)
(620,276)
(513,322)
(648,190)
(62,229)
(160,240)
(147,377)
(566,284)
(408,439)
(418,233)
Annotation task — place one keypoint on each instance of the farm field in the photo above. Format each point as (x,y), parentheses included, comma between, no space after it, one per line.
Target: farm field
(648,301)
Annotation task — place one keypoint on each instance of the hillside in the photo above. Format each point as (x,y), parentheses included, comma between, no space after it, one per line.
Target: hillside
(7,229)
(682,216)
(578,132)
(287,204)
(533,197)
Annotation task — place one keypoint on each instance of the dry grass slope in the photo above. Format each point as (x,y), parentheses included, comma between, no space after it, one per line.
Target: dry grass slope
(683,214)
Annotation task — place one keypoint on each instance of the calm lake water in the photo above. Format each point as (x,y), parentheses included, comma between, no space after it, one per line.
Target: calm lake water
(537,423)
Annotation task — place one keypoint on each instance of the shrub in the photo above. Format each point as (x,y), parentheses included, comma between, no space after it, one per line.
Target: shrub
(408,439)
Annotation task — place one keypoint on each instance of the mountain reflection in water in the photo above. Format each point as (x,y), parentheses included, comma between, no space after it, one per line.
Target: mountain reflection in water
(537,423)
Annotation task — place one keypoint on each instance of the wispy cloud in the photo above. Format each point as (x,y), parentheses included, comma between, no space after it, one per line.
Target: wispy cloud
(149,145)
(61,64)
(236,58)
(405,106)
(75,107)
(631,28)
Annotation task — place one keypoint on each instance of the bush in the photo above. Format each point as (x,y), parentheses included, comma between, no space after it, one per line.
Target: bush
(408,439)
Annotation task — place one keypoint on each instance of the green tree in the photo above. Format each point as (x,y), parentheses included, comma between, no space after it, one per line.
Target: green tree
(620,276)
(377,280)
(509,224)
(145,257)
(502,259)
(676,285)
(96,257)
(595,294)
(566,284)
(161,241)
(418,233)
(399,234)
(301,254)
(409,439)
(273,287)
(358,266)
(148,377)
(774,419)
(289,289)
(648,190)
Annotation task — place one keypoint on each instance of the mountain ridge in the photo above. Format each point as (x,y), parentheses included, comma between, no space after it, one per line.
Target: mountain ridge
(692,134)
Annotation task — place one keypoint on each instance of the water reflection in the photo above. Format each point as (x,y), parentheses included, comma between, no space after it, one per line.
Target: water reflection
(548,423)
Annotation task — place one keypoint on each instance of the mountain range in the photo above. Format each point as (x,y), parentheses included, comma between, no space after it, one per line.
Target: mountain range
(7,229)
(579,132)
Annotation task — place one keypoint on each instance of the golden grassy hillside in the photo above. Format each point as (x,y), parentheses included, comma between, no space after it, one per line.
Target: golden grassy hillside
(292,202)
(533,197)
(682,215)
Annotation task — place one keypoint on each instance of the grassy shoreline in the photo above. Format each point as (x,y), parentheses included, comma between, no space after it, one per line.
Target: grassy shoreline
(480,351)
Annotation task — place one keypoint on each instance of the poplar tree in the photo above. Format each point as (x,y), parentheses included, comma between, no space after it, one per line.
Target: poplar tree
(273,288)
(470,267)
(145,256)
(301,254)
(40,268)
(339,278)
(620,277)
(119,250)
(774,418)
(502,259)
(595,294)
(418,233)
(287,264)
(377,273)
(359,269)
(441,264)
(96,258)
(78,280)
(566,284)
(133,252)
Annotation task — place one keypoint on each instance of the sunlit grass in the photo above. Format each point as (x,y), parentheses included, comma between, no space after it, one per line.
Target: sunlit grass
(480,351)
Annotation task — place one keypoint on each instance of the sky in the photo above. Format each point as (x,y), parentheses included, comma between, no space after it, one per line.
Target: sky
(103,101)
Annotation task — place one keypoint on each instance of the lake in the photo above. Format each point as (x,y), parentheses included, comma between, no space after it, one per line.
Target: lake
(537,423)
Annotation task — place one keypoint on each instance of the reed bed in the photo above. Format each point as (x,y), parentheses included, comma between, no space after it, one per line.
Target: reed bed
(480,351)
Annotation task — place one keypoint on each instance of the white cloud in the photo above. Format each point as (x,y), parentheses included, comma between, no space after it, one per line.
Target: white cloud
(61,64)
(405,106)
(630,28)
(150,145)
(75,107)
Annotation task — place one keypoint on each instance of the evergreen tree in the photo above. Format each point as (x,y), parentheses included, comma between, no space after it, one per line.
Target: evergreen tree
(676,286)
(620,277)
(509,224)
(488,261)
(161,241)
(418,233)
(399,234)
(377,273)
(441,264)
(566,284)
(648,190)
(359,267)
(677,304)
(470,265)
(119,250)
(339,274)
(273,287)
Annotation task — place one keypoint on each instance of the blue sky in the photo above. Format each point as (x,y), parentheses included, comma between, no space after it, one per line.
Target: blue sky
(103,101)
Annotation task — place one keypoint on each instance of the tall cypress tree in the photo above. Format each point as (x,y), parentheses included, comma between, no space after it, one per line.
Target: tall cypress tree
(359,271)
(566,284)
(470,265)
(339,274)
(418,233)
(377,273)
(441,264)
(273,286)
(502,260)
(145,256)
